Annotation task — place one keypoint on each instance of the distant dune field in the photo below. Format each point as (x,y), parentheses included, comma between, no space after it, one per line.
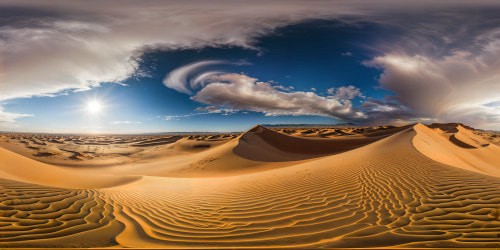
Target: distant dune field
(411,186)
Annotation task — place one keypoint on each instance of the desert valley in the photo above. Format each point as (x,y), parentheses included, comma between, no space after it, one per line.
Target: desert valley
(411,186)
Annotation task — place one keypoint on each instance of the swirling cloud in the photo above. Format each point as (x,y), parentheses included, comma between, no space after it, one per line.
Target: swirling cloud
(230,91)
(190,77)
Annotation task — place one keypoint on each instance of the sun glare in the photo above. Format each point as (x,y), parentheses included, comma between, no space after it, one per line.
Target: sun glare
(94,107)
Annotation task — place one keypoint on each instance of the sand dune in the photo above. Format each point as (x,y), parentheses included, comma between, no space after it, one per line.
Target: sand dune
(392,187)
(296,147)
(259,149)
(19,168)
(461,149)
(97,151)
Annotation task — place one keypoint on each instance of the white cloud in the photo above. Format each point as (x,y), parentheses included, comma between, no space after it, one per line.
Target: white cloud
(186,79)
(51,46)
(345,92)
(202,111)
(216,110)
(126,122)
(6,117)
(241,92)
(229,92)
(456,87)
(179,117)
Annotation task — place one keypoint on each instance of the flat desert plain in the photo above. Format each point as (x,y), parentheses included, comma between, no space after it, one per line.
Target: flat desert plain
(413,186)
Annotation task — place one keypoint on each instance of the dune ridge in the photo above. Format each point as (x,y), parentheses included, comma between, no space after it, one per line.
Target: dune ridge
(460,148)
(389,192)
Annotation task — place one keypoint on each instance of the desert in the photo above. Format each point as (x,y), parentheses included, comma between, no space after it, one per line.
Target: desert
(410,186)
(265,124)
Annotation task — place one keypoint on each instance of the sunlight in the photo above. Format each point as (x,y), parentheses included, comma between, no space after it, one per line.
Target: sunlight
(94,107)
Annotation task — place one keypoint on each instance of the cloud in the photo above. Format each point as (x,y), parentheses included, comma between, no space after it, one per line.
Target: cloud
(126,122)
(216,110)
(345,92)
(438,70)
(187,78)
(179,117)
(6,117)
(230,92)
(241,92)
(456,87)
(49,46)
(190,77)
(202,111)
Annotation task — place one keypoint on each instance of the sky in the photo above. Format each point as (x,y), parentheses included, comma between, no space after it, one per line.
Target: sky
(160,66)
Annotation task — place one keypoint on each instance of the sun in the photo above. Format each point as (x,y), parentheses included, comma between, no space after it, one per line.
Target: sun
(94,107)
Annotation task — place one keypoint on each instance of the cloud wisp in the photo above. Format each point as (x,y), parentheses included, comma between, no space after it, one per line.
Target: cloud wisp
(7,117)
(187,79)
(126,122)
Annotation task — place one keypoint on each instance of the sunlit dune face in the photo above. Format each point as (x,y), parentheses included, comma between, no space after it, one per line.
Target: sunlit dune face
(94,107)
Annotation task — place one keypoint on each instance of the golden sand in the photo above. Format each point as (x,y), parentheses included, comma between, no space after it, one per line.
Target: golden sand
(414,186)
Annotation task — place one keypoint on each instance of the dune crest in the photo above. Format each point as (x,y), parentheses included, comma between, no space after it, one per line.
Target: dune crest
(258,149)
(263,144)
(460,148)
(386,193)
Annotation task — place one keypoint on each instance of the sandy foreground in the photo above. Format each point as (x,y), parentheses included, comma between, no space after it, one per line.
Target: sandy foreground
(412,186)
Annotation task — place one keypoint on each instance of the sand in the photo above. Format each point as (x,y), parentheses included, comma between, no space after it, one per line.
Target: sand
(413,186)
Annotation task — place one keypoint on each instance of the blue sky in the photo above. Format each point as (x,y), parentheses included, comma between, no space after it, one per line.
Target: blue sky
(384,67)
(318,55)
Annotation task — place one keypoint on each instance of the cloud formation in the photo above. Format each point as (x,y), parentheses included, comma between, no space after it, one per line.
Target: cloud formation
(241,92)
(230,92)
(186,79)
(345,92)
(79,45)
(456,87)
(6,117)
(49,46)
(202,111)
(126,122)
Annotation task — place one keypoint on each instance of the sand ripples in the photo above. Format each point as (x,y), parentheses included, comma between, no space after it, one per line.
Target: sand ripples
(382,201)
(32,215)
(389,194)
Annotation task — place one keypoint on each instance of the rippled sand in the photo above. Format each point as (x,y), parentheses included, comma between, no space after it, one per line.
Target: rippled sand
(414,186)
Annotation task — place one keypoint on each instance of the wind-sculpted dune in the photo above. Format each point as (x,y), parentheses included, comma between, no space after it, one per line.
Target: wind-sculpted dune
(409,186)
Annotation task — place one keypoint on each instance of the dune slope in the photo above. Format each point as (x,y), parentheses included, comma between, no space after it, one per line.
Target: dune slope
(384,194)
(461,149)
(263,144)
(259,149)
(20,168)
